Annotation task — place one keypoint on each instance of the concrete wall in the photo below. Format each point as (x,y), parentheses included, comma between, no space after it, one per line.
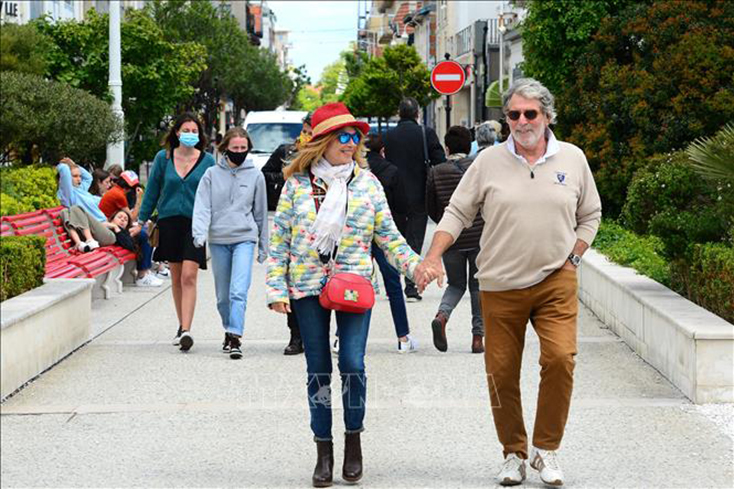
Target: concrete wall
(40,327)
(690,346)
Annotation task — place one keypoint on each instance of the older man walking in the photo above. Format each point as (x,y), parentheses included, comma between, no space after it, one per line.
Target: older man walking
(541,211)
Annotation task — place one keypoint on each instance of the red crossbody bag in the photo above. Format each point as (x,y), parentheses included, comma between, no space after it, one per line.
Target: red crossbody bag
(346,292)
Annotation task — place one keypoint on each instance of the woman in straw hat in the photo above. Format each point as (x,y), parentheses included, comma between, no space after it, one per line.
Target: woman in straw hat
(307,241)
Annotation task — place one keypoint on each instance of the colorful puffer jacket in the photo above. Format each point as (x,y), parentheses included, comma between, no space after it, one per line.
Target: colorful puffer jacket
(295,270)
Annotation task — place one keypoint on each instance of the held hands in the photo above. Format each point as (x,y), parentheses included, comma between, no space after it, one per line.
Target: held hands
(281,307)
(429,270)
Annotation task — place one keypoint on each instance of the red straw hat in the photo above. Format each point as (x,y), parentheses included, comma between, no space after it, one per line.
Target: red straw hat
(333,116)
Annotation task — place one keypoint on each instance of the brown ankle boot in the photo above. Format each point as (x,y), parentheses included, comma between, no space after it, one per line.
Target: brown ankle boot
(438,325)
(352,469)
(477,345)
(323,473)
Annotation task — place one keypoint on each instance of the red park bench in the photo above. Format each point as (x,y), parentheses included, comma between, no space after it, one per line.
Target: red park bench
(105,264)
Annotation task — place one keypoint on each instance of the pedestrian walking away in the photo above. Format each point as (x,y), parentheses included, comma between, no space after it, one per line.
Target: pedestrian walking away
(231,214)
(541,210)
(387,174)
(171,190)
(442,181)
(330,211)
(83,220)
(115,200)
(413,148)
(273,171)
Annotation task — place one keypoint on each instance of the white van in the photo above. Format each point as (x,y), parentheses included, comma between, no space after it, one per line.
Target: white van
(270,129)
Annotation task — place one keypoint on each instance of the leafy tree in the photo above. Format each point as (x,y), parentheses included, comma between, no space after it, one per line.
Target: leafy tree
(23,49)
(653,78)
(300,81)
(308,98)
(384,80)
(333,81)
(555,34)
(54,120)
(157,75)
(235,68)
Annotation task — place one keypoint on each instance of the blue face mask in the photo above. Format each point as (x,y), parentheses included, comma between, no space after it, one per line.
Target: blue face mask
(189,139)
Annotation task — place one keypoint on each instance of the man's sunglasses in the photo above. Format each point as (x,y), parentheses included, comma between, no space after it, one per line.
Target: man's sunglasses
(344,137)
(529,114)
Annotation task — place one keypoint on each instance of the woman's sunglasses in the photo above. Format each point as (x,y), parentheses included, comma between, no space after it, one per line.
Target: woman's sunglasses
(344,137)
(529,114)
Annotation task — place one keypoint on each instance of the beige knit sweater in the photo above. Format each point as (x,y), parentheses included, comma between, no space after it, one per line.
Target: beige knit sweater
(531,224)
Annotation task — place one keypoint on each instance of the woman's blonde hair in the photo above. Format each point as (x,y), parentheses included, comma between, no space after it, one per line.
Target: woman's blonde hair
(314,150)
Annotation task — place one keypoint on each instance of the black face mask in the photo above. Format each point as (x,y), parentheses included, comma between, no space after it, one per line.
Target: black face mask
(237,158)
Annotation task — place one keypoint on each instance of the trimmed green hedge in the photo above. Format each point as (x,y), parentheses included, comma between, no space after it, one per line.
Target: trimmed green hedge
(26,189)
(22,263)
(643,253)
(708,278)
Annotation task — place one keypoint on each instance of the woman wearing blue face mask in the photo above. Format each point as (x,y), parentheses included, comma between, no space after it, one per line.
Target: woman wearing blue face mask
(171,190)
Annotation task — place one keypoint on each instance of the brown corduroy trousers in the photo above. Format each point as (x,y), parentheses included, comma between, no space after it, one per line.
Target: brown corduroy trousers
(552,308)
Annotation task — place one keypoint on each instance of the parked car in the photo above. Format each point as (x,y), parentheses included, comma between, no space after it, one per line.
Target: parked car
(270,129)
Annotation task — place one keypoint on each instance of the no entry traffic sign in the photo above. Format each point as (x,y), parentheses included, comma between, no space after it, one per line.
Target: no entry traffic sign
(448,77)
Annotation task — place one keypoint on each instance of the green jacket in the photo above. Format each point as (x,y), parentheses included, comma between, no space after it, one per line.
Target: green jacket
(168,192)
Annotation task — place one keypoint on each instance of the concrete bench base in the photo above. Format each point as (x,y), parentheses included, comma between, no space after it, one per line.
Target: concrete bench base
(689,345)
(42,326)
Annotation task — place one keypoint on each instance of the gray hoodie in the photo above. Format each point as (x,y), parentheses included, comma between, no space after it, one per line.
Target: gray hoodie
(231,207)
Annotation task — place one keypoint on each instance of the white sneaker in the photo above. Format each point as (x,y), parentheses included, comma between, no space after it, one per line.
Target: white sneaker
(148,280)
(409,346)
(335,346)
(93,244)
(163,272)
(83,247)
(546,462)
(513,471)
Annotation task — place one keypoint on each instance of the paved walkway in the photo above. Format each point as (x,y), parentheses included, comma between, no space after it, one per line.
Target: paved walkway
(129,409)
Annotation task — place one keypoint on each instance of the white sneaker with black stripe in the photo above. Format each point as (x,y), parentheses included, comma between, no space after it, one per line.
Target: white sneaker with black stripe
(409,346)
(177,338)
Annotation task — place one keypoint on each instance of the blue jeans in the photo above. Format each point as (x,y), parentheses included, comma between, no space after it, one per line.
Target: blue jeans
(352,329)
(232,268)
(145,262)
(394,290)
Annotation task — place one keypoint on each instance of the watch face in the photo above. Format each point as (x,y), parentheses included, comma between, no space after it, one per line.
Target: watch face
(575,259)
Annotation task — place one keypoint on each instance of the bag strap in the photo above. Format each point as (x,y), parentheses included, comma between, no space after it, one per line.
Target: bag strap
(461,169)
(425,147)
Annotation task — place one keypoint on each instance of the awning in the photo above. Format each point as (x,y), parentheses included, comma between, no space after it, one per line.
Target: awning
(493,97)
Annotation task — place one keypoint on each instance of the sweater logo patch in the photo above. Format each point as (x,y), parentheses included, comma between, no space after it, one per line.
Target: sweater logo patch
(560,178)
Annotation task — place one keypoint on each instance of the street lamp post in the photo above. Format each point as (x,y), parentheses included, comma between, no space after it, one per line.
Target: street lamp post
(116,151)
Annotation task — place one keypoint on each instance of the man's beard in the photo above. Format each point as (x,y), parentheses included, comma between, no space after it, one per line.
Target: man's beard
(528,139)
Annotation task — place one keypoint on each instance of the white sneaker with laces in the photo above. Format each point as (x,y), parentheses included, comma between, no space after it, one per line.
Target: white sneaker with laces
(163,273)
(83,247)
(513,471)
(410,346)
(93,244)
(546,462)
(148,280)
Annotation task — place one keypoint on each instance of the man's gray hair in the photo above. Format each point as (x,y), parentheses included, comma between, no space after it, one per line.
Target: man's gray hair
(532,89)
(485,134)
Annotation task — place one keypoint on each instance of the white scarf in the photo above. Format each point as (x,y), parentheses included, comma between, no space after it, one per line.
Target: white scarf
(332,215)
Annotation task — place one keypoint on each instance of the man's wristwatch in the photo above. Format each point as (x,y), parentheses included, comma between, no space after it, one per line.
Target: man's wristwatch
(574,259)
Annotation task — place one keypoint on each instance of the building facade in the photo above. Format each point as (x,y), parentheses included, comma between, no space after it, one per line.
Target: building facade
(468,32)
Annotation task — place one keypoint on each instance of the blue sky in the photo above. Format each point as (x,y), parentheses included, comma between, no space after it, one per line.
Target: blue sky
(319,30)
